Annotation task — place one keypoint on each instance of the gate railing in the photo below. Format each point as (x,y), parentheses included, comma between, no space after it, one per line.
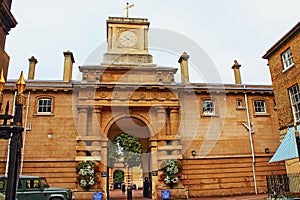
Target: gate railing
(281,184)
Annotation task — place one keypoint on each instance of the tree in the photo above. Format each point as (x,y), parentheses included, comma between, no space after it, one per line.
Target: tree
(118,176)
(128,147)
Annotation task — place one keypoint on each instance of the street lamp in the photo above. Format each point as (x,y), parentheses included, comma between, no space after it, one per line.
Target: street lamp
(2,82)
(20,100)
(14,133)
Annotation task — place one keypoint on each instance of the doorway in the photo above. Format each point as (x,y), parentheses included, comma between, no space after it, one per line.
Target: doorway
(128,158)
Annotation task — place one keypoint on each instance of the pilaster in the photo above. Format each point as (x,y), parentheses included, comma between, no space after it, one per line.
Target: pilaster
(161,121)
(174,120)
(82,120)
(96,121)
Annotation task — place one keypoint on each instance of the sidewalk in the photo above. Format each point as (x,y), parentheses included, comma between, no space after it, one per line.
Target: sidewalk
(138,195)
(247,197)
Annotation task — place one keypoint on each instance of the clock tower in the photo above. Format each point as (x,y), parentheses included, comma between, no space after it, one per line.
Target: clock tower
(127,59)
(127,40)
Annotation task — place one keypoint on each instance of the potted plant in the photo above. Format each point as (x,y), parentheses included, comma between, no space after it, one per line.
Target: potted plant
(87,173)
(171,172)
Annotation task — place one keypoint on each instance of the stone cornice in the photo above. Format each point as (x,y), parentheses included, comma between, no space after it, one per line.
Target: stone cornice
(6,18)
(288,36)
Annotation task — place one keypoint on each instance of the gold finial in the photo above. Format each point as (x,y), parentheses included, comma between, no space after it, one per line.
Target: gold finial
(2,80)
(21,84)
(127,8)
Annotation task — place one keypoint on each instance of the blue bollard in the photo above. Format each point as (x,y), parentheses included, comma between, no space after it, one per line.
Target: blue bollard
(98,196)
(165,195)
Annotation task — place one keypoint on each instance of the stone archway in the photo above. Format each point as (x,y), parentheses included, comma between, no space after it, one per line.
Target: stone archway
(139,129)
(118,178)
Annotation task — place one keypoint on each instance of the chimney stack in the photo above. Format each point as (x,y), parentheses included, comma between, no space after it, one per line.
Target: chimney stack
(68,66)
(32,64)
(237,75)
(184,67)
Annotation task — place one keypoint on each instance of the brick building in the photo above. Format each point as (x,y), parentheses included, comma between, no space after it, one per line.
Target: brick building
(224,135)
(283,60)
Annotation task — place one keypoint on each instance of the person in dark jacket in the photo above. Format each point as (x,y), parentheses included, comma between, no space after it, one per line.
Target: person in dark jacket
(146,187)
(123,188)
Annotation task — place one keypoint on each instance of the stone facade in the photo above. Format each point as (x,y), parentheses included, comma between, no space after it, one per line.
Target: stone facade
(231,141)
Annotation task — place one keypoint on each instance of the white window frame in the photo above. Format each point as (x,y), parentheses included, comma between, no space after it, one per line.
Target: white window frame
(295,101)
(44,107)
(260,106)
(239,103)
(208,106)
(287,59)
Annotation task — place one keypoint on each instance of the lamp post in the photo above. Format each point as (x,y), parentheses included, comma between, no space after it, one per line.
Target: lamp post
(2,82)
(13,132)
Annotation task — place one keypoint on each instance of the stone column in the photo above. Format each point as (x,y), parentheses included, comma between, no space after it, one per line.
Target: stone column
(174,123)
(96,121)
(82,128)
(161,121)
(104,154)
(82,120)
(154,167)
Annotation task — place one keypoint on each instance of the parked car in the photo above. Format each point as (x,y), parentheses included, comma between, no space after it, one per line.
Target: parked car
(36,188)
(2,196)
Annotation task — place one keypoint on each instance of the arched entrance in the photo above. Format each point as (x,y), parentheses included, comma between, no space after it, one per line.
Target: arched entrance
(118,179)
(133,176)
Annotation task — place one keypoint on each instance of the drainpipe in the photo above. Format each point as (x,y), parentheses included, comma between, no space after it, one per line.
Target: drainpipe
(249,127)
(8,147)
(25,133)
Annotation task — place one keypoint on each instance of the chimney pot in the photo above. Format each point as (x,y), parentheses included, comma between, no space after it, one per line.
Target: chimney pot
(237,75)
(32,63)
(68,65)
(184,67)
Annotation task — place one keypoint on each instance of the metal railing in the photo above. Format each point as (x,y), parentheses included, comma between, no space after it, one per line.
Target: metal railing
(281,185)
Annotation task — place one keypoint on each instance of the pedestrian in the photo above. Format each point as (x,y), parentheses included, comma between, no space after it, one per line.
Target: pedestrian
(146,187)
(123,188)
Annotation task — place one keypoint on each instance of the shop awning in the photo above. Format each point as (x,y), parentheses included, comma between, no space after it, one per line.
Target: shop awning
(288,147)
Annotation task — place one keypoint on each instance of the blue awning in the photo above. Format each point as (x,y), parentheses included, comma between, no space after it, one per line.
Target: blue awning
(288,147)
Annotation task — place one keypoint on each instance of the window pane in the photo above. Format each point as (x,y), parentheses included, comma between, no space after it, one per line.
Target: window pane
(208,106)
(287,59)
(260,106)
(295,98)
(1,185)
(239,103)
(44,105)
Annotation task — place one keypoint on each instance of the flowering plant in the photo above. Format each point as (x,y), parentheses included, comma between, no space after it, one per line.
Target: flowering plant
(87,175)
(171,171)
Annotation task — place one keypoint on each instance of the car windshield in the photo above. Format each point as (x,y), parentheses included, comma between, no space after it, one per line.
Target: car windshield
(44,182)
(1,184)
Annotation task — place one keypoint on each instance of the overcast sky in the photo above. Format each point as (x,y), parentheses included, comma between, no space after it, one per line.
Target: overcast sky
(224,29)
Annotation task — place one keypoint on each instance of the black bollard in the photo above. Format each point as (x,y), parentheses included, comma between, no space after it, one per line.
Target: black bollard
(129,194)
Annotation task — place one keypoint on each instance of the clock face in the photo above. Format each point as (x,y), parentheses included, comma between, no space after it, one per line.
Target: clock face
(128,39)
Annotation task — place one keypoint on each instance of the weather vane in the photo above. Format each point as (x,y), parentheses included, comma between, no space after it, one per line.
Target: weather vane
(127,8)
